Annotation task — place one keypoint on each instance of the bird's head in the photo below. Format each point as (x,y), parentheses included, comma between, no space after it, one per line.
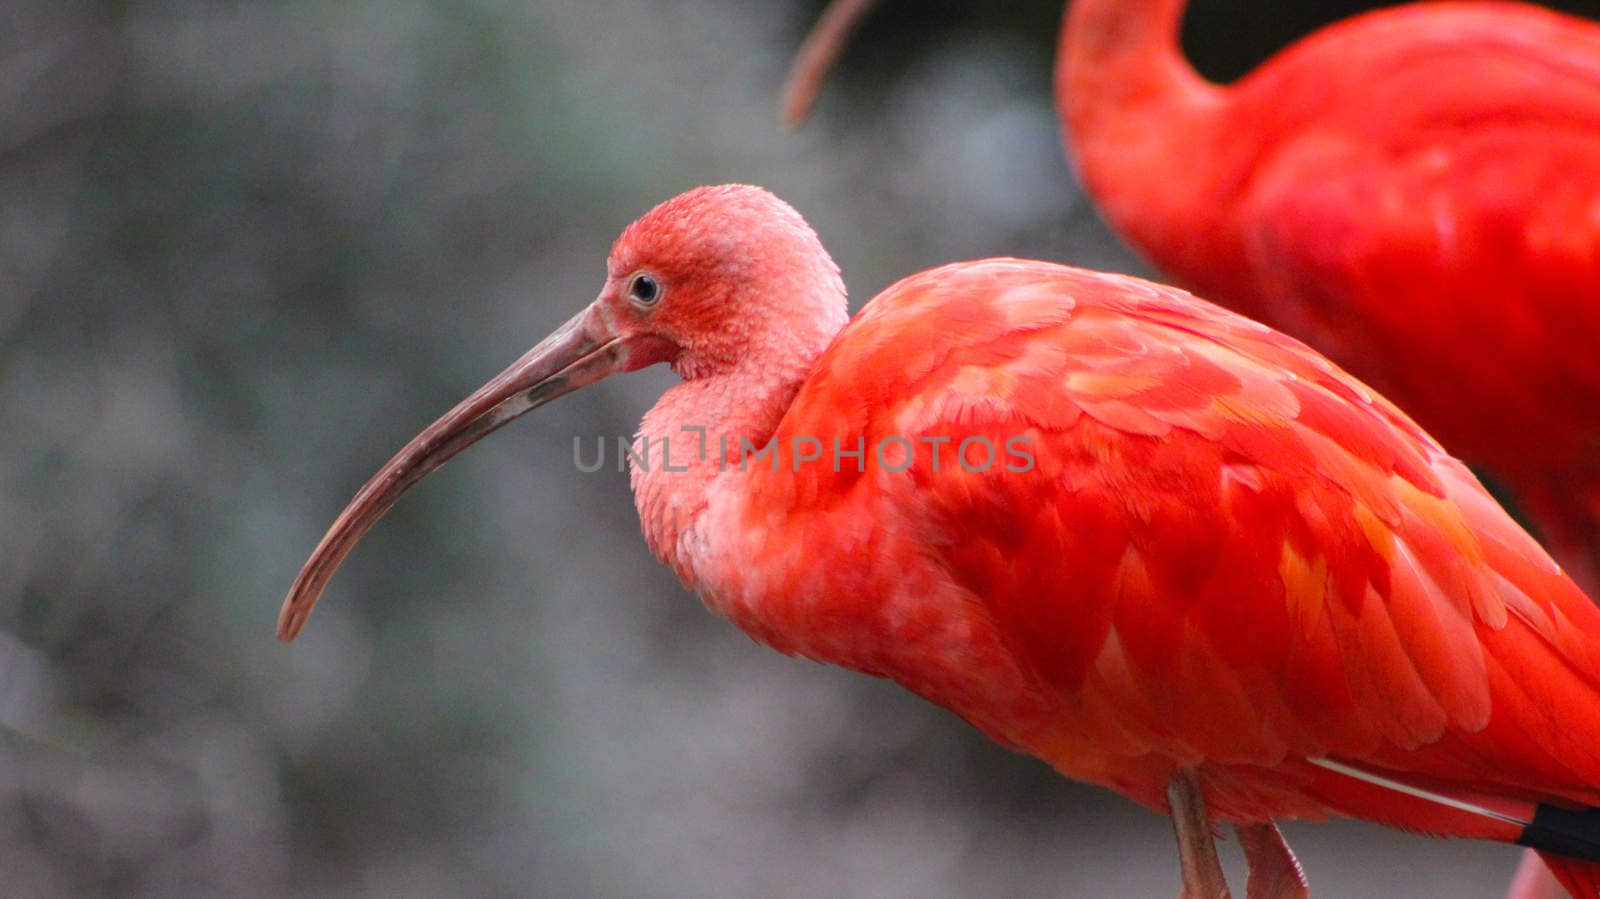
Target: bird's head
(715,280)
(717,276)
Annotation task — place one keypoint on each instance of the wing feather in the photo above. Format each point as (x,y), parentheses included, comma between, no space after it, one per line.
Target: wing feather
(1226,548)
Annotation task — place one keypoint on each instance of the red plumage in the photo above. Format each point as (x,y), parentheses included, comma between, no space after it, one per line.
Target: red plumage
(1229,554)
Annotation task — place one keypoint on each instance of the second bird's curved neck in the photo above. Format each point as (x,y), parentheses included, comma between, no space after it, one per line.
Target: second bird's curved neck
(1136,113)
(1123,60)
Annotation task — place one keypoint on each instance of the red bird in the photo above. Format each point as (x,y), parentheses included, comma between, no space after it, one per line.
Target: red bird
(1414,191)
(1161,547)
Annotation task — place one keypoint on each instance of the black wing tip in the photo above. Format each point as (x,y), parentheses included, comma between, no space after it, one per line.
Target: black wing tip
(1574,833)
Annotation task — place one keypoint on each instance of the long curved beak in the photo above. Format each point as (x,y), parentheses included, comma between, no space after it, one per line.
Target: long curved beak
(816,58)
(579,353)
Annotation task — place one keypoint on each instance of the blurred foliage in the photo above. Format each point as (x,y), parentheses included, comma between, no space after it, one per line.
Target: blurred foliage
(247,249)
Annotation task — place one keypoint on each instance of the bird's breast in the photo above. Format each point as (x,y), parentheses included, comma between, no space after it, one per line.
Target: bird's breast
(847,589)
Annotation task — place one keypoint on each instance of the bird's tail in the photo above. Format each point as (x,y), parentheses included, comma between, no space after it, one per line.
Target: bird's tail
(1567,839)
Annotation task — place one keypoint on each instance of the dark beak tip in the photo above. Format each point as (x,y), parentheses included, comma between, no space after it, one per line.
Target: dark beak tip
(290,621)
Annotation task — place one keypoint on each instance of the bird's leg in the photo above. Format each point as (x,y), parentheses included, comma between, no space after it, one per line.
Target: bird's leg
(1197,850)
(1274,872)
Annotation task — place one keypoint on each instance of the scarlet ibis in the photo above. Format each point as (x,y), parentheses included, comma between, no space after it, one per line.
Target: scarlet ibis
(1165,549)
(1414,191)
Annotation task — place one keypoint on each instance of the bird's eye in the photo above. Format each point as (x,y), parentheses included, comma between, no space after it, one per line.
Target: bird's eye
(644,290)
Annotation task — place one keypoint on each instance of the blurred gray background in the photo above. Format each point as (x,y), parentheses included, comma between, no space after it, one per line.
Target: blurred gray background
(247,249)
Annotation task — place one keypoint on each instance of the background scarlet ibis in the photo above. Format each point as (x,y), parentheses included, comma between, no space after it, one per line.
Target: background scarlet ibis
(1411,191)
(247,250)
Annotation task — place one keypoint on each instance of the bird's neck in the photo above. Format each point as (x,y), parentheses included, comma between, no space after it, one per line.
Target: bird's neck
(697,435)
(1138,118)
